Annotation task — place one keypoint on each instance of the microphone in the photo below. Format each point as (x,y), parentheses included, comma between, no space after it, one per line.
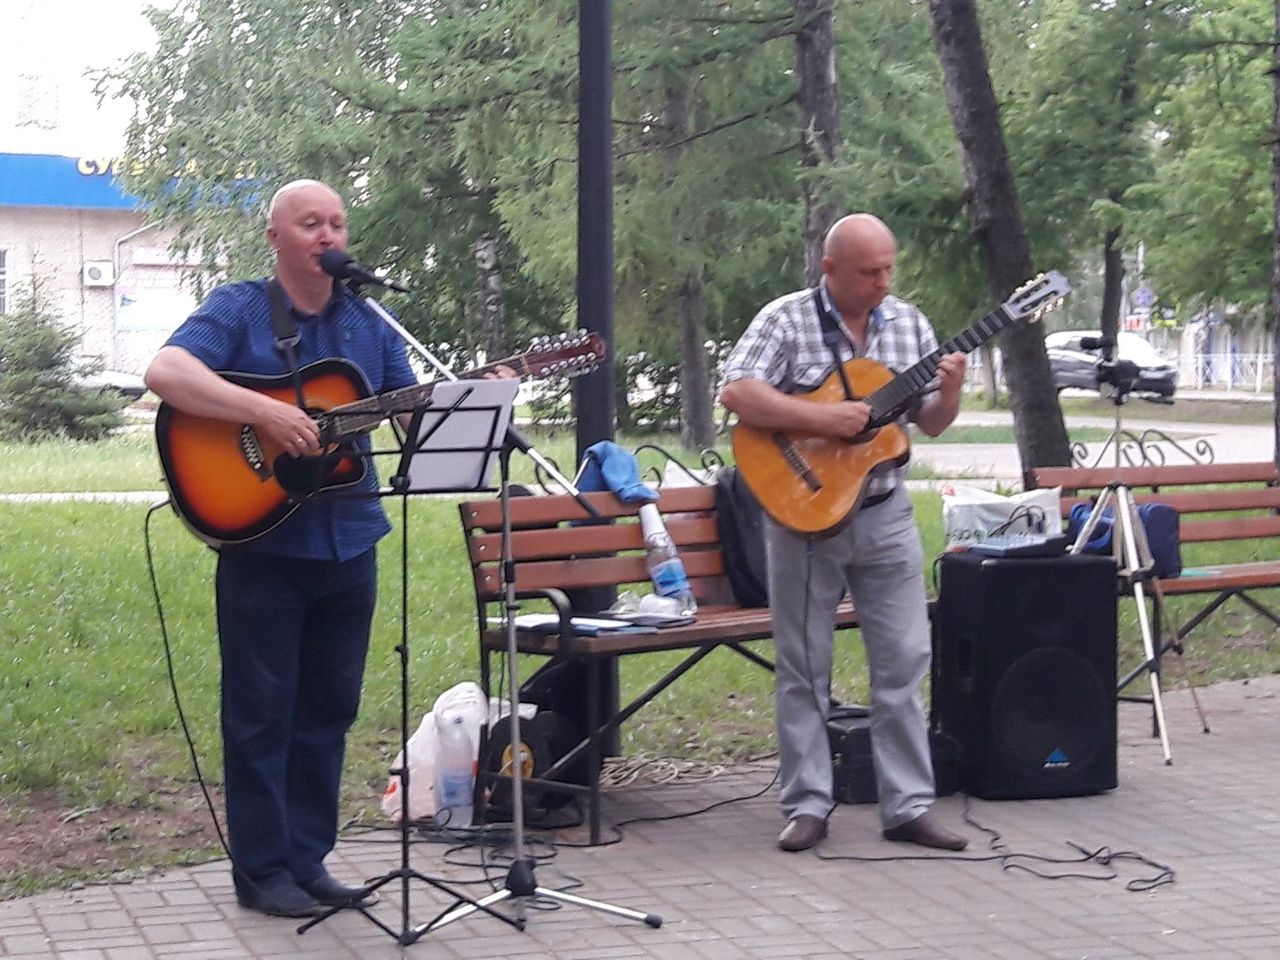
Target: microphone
(342,266)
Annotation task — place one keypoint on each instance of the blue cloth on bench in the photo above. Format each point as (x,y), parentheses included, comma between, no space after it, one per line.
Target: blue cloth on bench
(607,466)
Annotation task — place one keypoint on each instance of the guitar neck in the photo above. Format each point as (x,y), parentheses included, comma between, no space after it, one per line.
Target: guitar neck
(891,399)
(352,419)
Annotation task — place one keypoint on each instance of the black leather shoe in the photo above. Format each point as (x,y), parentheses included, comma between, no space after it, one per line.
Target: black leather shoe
(282,900)
(801,833)
(331,893)
(927,832)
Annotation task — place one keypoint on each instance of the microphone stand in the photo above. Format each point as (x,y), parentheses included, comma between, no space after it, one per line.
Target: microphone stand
(521,882)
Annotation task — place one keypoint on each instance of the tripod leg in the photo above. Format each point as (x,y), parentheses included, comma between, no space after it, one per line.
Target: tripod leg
(1165,622)
(1127,545)
(652,919)
(465,910)
(1091,522)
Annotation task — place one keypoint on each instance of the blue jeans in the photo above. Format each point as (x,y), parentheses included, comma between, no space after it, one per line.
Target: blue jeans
(294,635)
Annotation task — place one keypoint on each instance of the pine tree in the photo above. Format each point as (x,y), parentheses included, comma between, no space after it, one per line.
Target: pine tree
(42,379)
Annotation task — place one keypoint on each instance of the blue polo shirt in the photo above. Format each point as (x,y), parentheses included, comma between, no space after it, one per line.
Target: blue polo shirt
(231,331)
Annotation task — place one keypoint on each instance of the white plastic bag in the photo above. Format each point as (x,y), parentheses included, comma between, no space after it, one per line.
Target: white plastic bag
(971,514)
(424,746)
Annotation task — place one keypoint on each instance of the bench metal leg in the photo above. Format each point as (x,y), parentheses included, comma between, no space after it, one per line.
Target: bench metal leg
(599,728)
(1203,615)
(594,740)
(1218,601)
(757,659)
(1260,607)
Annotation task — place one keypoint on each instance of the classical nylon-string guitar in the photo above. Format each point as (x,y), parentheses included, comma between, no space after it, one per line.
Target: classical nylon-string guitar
(813,484)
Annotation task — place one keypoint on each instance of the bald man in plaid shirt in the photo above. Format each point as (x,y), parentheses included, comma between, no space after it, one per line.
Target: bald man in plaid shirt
(877,557)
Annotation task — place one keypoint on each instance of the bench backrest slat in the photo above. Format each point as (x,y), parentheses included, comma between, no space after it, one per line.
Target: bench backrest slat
(1247,493)
(1200,501)
(547,542)
(1171,475)
(555,544)
(569,573)
(550,510)
(1227,528)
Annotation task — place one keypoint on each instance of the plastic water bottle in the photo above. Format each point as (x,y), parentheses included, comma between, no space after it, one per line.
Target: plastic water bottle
(455,774)
(666,569)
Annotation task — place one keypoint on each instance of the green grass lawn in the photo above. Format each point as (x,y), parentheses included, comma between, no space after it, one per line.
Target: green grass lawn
(86,713)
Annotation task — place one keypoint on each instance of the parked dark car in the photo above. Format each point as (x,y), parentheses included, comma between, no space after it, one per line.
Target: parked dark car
(1076,367)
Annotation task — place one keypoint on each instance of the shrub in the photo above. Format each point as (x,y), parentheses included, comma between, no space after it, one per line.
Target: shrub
(42,379)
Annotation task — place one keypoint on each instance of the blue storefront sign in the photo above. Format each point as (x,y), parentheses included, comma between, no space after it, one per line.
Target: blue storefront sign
(42,180)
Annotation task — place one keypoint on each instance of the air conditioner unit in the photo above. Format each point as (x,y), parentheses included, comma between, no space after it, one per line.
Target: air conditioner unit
(99,273)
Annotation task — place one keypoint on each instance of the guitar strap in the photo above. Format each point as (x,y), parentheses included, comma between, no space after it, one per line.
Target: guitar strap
(285,328)
(832,337)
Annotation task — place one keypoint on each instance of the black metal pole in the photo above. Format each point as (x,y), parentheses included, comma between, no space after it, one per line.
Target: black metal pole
(593,394)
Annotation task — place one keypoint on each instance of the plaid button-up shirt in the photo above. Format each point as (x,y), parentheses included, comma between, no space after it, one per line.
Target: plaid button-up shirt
(783,347)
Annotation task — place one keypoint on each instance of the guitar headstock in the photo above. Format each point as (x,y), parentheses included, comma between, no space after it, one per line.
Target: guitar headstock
(565,355)
(1037,296)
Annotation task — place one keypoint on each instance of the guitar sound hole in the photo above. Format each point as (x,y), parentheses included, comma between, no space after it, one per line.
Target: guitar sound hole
(301,476)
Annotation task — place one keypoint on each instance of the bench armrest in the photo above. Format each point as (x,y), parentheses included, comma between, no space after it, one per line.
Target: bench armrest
(559,599)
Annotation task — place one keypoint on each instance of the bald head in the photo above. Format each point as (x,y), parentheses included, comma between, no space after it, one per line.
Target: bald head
(850,235)
(295,190)
(858,257)
(305,218)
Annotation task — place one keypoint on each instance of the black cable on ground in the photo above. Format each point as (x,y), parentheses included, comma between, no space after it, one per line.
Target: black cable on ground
(1103,857)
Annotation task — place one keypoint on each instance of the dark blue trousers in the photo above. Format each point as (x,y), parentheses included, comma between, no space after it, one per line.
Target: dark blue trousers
(294,635)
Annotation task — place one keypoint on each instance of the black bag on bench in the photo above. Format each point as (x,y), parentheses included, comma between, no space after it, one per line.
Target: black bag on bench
(1158,519)
(740,521)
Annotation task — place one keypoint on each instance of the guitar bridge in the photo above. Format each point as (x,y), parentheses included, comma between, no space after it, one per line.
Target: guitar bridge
(797,462)
(251,450)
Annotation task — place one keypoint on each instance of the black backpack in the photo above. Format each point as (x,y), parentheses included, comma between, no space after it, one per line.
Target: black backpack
(740,520)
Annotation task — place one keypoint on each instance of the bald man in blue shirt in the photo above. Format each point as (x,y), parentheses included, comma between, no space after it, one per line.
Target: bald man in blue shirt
(295,604)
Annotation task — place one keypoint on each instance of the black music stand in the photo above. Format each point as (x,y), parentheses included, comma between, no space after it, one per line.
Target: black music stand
(465,426)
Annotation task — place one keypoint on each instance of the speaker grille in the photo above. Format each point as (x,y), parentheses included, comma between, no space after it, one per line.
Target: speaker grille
(1049,713)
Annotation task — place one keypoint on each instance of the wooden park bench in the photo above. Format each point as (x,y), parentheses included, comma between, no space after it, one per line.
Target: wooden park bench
(558,549)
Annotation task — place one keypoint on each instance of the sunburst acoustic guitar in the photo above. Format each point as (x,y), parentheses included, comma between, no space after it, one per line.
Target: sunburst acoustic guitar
(813,484)
(230,485)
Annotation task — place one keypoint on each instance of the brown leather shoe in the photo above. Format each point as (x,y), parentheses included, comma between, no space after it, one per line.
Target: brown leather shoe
(801,833)
(927,832)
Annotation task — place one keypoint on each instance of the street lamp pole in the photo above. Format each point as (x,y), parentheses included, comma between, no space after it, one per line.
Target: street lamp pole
(593,394)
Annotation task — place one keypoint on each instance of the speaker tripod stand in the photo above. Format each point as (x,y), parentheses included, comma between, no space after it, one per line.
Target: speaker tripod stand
(521,881)
(1134,562)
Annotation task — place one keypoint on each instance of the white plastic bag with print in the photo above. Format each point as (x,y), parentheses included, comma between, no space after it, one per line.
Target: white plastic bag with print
(971,514)
(424,747)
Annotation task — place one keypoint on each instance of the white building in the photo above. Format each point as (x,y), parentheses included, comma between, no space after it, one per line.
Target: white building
(107,271)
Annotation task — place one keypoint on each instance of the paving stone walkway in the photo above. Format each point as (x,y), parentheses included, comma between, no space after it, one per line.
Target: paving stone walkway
(726,892)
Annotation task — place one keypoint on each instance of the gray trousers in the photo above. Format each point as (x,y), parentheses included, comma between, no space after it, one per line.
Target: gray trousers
(878,557)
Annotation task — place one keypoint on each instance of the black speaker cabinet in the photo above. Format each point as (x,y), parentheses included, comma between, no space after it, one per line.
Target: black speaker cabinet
(1025,673)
